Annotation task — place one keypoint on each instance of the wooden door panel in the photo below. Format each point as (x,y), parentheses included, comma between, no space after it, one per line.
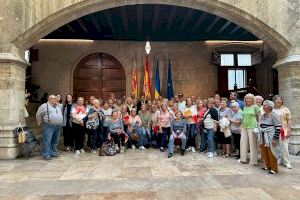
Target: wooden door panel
(99,75)
(86,73)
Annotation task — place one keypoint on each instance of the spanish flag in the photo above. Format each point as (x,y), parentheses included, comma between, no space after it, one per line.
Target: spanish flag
(134,84)
(147,84)
(157,81)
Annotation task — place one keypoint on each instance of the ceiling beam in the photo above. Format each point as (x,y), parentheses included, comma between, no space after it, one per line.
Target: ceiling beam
(109,20)
(171,18)
(70,28)
(155,17)
(95,22)
(212,24)
(199,21)
(124,17)
(139,13)
(244,32)
(234,30)
(82,26)
(186,18)
(224,27)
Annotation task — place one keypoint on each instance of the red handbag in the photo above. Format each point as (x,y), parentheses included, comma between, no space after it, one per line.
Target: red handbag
(282,134)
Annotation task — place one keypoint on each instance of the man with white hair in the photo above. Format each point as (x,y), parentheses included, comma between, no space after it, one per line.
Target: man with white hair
(50,116)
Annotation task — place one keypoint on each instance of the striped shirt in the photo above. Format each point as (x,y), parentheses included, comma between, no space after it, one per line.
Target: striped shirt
(271,121)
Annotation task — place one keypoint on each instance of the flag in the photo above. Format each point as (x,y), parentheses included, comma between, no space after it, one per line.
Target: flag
(134,84)
(147,84)
(157,81)
(170,90)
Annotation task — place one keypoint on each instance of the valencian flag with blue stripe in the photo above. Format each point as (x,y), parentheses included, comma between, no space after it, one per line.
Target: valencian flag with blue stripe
(170,90)
(157,81)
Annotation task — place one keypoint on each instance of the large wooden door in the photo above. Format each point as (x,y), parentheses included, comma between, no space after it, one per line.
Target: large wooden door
(99,75)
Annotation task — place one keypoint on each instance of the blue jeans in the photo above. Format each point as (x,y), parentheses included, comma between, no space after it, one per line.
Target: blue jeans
(203,136)
(161,137)
(171,143)
(211,140)
(51,135)
(97,138)
(192,135)
(142,136)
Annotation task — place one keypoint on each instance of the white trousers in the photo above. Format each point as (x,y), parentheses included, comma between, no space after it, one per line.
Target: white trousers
(285,157)
(248,137)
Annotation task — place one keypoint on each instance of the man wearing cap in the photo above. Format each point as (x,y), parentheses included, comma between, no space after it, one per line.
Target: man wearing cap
(181,103)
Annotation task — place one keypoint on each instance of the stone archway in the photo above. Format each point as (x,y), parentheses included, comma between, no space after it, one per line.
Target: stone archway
(222,9)
(274,22)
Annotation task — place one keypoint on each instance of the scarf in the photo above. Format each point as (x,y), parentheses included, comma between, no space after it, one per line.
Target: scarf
(267,135)
(80,109)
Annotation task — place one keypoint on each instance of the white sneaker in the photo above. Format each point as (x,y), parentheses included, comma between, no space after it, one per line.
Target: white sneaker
(122,149)
(117,147)
(77,152)
(94,152)
(133,146)
(82,151)
(68,149)
(288,166)
(190,149)
(193,150)
(210,155)
(142,148)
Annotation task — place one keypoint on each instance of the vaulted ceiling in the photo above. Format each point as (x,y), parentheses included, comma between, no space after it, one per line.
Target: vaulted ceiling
(152,22)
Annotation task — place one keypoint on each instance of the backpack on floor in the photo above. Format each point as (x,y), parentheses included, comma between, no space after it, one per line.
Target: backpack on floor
(108,149)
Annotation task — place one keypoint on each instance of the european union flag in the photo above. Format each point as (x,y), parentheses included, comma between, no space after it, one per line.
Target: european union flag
(170,90)
(157,81)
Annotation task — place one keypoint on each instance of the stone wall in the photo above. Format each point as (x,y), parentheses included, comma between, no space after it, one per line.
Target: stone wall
(193,72)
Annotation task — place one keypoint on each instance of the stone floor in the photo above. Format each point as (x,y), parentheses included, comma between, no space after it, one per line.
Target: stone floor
(144,175)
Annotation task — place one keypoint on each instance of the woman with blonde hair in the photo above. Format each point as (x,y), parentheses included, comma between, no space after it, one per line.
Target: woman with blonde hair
(286,123)
(251,115)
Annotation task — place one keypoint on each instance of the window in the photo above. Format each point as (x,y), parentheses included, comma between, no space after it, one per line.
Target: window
(227,60)
(244,60)
(238,77)
(27,55)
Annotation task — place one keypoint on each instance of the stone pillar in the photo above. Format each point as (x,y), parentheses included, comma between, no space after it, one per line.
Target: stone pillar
(289,87)
(12,95)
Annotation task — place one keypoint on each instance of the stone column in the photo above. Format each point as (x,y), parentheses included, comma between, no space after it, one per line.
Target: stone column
(289,87)
(12,95)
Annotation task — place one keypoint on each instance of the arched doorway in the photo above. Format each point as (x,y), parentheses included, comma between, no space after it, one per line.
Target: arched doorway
(99,74)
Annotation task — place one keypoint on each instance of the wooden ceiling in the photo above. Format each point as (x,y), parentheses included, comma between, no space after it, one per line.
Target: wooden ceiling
(152,22)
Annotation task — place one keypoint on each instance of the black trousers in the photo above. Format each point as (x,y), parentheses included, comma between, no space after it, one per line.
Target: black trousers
(89,137)
(79,132)
(68,136)
(118,139)
(237,141)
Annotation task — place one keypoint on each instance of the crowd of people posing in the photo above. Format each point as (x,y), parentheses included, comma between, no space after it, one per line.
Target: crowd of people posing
(224,126)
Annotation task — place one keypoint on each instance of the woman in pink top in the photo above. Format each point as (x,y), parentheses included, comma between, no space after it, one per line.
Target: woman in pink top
(164,123)
(201,109)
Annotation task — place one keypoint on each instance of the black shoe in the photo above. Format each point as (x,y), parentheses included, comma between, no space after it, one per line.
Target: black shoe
(170,155)
(202,150)
(47,158)
(182,152)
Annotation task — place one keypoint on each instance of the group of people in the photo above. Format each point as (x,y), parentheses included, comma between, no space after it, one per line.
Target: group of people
(223,125)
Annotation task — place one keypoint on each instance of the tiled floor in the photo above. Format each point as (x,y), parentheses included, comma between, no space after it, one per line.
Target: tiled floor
(144,175)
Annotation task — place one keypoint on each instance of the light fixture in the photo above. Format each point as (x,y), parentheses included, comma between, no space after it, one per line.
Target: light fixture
(148,48)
